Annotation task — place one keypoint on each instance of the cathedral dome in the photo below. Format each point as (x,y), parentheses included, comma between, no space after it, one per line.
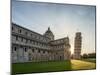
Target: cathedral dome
(48,31)
(49,34)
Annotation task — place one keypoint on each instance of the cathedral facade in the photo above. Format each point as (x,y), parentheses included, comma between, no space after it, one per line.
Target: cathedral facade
(29,46)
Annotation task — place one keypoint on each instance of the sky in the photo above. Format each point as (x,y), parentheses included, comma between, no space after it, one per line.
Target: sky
(63,19)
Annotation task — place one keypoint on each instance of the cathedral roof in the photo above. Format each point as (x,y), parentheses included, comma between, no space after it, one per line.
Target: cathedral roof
(48,31)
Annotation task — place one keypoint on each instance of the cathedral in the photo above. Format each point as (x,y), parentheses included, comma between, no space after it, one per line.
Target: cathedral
(30,46)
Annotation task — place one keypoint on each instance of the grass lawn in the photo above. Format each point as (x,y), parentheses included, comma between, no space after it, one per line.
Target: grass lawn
(82,65)
(51,66)
(90,60)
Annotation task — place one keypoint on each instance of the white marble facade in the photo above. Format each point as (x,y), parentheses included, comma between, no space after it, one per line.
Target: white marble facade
(29,46)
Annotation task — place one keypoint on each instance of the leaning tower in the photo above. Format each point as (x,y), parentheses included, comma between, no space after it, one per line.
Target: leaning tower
(77,45)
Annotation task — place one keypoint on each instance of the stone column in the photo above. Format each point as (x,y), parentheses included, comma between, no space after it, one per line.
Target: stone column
(20,54)
(26,55)
(14,55)
(29,54)
(67,53)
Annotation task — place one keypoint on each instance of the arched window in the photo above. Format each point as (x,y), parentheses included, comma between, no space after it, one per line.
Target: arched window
(20,31)
(31,34)
(15,48)
(60,58)
(16,37)
(25,33)
(12,28)
(43,51)
(25,50)
(33,50)
(22,39)
(38,51)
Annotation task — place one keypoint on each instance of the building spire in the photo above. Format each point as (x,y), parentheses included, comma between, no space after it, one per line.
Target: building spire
(48,28)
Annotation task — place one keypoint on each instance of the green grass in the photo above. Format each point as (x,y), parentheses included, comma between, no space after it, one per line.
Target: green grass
(41,67)
(52,66)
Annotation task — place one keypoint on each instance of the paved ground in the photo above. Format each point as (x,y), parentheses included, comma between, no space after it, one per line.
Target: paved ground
(78,65)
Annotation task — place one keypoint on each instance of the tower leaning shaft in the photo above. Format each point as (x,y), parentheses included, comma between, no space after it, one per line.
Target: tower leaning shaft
(77,45)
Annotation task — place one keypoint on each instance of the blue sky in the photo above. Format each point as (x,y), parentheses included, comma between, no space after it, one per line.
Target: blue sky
(63,19)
